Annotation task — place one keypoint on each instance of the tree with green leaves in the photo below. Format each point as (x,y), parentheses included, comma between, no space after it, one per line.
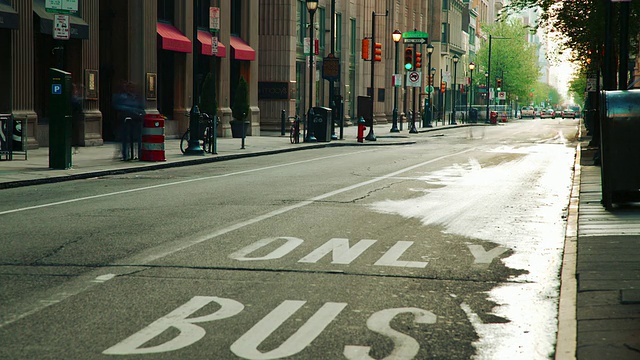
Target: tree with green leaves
(513,58)
(582,25)
(208,103)
(240,108)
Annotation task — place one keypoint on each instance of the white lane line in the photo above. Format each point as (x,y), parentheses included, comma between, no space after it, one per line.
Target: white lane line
(145,257)
(171,184)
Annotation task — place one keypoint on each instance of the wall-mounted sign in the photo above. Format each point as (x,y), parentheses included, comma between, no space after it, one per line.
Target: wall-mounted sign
(214,19)
(91,84)
(274,90)
(61,6)
(61,27)
(151,86)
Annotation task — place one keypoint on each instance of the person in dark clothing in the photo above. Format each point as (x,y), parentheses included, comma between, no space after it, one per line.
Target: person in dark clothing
(130,110)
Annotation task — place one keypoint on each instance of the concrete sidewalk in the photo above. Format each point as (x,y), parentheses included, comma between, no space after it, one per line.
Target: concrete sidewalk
(605,247)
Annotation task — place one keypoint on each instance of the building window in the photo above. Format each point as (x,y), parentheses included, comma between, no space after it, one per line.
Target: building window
(338,33)
(301,22)
(445,33)
(166,8)
(236,17)
(322,18)
(445,5)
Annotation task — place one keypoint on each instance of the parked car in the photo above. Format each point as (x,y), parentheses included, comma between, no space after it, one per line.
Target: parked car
(527,111)
(568,113)
(548,114)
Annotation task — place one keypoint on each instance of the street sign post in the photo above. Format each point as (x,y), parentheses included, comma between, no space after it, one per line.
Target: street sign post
(415,37)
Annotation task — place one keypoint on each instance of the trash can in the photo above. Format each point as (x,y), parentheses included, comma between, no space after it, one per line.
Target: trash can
(620,129)
(473,115)
(320,123)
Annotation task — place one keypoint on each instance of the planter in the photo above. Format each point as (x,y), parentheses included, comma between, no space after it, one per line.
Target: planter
(236,128)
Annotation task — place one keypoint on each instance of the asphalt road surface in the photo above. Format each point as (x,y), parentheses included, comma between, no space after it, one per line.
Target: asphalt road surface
(446,249)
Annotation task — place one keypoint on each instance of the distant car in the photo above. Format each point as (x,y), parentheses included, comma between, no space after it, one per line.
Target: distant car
(568,113)
(527,111)
(536,112)
(548,114)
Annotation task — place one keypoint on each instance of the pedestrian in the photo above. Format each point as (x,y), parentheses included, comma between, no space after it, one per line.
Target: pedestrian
(130,110)
(76,115)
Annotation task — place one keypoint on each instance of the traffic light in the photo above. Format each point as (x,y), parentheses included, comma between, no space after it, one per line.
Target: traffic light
(418,60)
(377,52)
(408,58)
(430,79)
(443,87)
(499,84)
(366,48)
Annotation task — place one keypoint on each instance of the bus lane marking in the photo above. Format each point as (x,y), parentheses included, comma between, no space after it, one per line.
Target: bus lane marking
(246,346)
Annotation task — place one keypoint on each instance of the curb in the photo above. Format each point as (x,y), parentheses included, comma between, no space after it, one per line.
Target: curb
(181,163)
(567,336)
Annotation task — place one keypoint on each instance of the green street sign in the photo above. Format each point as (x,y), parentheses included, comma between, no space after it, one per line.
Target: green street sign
(415,35)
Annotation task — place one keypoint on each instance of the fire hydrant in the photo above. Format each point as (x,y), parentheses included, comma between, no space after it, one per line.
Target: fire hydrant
(361,128)
(493,117)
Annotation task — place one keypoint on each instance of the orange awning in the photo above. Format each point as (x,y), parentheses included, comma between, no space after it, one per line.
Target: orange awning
(204,37)
(172,39)
(241,50)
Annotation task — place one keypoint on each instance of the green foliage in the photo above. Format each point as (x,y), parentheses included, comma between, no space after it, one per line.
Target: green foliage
(513,58)
(581,24)
(240,108)
(577,88)
(208,103)
(547,94)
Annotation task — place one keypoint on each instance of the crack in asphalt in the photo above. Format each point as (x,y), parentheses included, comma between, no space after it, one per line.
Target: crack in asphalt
(55,251)
(143,268)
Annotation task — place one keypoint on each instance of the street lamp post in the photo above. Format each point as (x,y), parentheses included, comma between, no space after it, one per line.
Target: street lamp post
(472,67)
(430,73)
(433,76)
(193,147)
(312,5)
(396,35)
(453,92)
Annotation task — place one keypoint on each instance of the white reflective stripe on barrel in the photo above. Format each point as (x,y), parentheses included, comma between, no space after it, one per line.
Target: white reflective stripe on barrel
(152,146)
(153,131)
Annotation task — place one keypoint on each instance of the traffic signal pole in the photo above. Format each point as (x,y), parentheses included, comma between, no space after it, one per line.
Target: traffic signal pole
(371,136)
(413,129)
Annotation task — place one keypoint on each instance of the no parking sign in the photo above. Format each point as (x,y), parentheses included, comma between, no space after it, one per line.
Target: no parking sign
(414,78)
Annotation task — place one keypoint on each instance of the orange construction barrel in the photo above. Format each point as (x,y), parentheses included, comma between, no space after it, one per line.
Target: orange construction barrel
(152,138)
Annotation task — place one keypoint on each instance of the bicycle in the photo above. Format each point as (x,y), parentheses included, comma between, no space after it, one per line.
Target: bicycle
(294,129)
(206,135)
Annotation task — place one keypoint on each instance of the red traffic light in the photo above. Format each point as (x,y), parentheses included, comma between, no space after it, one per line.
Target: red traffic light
(366,48)
(418,60)
(377,52)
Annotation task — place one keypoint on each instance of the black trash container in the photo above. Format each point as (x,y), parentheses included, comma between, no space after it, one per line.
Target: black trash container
(620,155)
(473,115)
(320,123)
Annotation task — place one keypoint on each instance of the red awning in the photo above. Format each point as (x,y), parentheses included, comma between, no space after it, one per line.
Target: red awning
(172,39)
(204,37)
(241,50)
